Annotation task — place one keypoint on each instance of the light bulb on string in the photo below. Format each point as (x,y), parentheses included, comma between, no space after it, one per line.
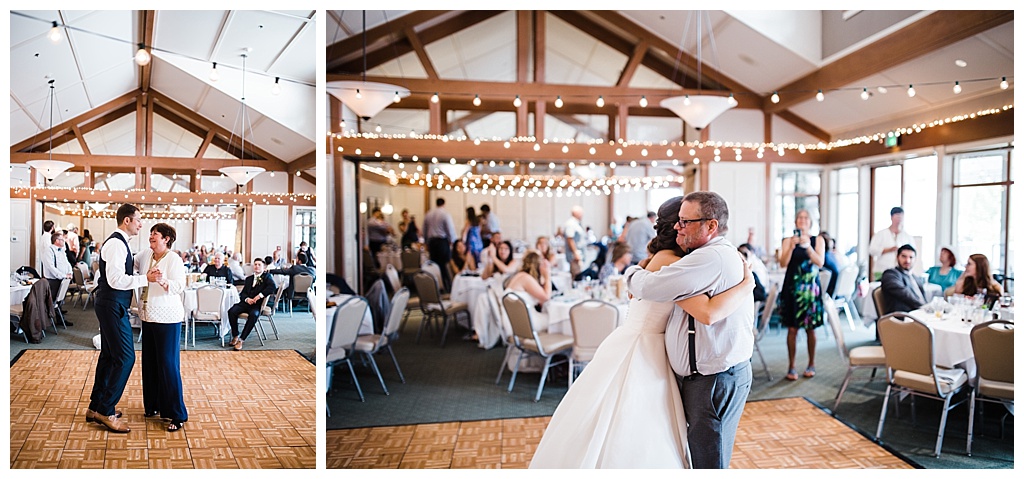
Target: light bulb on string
(775,97)
(142,57)
(643,101)
(820,96)
(397,98)
(600,101)
(911,91)
(54,34)
(686,100)
(1003,84)
(359,94)
(559,102)
(435,98)
(956,88)
(276,88)
(517,102)
(476,100)
(864,95)
(732,100)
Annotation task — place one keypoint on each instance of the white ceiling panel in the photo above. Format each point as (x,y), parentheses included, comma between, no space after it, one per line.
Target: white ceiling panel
(177,83)
(265,33)
(38,60)
(189,33)
(302,64)
(95,44)
(405,66)
(22,126)
(110,84)
(23,29)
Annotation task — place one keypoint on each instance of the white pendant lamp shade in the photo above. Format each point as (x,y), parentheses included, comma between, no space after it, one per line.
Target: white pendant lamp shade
(701,110)
(241,174)
(50,169)
(366,99)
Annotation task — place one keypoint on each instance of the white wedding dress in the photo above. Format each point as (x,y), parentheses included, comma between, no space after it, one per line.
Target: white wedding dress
(624,410)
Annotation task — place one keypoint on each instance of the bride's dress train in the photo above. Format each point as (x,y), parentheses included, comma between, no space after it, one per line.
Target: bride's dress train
(624,410)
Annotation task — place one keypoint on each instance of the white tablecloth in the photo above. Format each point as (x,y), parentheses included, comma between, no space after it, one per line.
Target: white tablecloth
(558,313)
(365,328)
(229,299)
(866,304)
(19,293)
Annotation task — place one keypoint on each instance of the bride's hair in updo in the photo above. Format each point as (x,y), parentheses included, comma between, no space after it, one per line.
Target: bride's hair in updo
(668,216)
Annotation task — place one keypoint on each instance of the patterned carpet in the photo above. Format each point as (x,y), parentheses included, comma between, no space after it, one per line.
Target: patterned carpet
(248,409)
(773,434)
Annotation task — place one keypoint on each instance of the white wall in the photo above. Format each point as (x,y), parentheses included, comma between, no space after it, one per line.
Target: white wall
(271,227)
(743,187)
(21,232)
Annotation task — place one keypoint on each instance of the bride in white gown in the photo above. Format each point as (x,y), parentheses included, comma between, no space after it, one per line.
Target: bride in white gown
(624,411)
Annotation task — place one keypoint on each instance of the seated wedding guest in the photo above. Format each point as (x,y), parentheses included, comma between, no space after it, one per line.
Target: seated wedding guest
(237,272)
(533,278)
(903,291)
(298,268)
(461,261)
(977,279)
(277,259)
(219,270)
(500,261)
(945,274)
(544,248)
(257,286)
(622,257)
(310,260)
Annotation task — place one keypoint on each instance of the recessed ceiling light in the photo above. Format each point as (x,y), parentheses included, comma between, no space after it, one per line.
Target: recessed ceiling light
(960,63)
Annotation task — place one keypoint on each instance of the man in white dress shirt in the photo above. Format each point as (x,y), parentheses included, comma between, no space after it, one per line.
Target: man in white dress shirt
(638,234)
(575,239)
(114,290)
(56,268)
(711,361)
(885,242)
(42,244)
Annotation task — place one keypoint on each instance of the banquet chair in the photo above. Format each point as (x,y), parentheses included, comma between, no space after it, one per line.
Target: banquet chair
(993,354)
(410,263)
(260,333)
(434,307)
(498,311)
(531,342)
(435,270)
(77,284)
(87,288)
(208,303)
(846,288)
(342,336)
(302,282)
(761,328)
(881,307)
(391,273)
(909,346)
(824,277)
(592,321)
(282,287)
(370,344)
(58,302)
(857,358)
(248,269)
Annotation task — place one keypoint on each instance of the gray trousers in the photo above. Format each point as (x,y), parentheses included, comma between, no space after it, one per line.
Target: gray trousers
(713,405)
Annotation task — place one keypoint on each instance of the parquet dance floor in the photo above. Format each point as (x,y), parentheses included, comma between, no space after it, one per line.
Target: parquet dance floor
(780,433)
(249,409)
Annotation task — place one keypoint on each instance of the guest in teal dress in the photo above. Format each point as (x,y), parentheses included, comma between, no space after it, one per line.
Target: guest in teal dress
(946,273)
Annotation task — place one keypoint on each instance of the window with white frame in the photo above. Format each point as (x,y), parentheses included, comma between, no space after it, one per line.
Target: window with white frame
(305,226)
(796,190)
(981,216)
(847,209)
(912,184)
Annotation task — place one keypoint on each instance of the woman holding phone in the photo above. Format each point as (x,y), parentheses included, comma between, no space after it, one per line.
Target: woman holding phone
(800,299)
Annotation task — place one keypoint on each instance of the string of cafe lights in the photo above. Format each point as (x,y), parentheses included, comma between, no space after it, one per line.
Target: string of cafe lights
(664,149)
(152,215)
(525,185)
(55,193)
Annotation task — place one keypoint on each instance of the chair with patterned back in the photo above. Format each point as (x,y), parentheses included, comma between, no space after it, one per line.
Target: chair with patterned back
(860,357)
(208,306)
(591,321)
(531,342)
(370,344)
(909,346)
(993,353)
(341,337)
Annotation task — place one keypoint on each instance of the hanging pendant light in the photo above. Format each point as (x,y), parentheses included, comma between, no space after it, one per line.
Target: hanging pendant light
(366,99)
(49,167)
(242,174)
(699,110)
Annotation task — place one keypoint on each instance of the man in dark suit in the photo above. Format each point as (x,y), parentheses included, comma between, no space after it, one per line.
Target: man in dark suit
(903,291)
(298,268)
(257,287)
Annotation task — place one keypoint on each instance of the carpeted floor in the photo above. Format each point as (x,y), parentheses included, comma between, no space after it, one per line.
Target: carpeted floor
(296,331)
(456,383)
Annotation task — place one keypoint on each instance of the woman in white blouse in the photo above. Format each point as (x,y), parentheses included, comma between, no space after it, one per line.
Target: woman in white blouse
(161,328)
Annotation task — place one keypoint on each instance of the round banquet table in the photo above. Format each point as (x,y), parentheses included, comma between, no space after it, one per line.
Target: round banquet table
(19,293)
(366,327)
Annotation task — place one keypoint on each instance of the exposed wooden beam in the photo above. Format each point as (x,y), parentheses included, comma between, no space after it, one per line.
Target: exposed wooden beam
(461,123)
(937,30)
(352,47)
(147,20)
(81,139)
(109,162)
(267,160)
(43,137)
(400,45)
(804,125)
(205,145)
(503,92)
(421,52)
(579,125)
(523,35)
(302,163)
(140,125)
(540,47)
(634,62)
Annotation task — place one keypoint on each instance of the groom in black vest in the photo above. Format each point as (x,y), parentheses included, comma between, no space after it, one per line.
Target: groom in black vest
(114,290)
